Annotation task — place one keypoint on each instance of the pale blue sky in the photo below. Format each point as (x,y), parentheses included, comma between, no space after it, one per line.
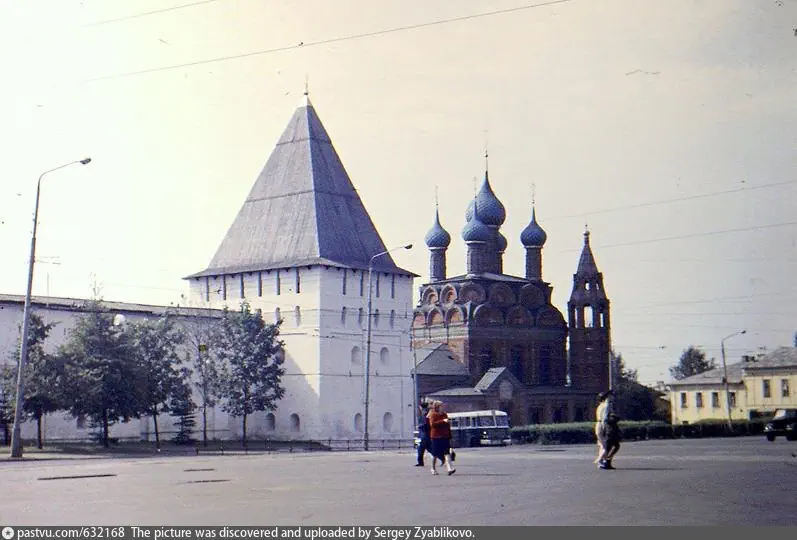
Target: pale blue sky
(601,104)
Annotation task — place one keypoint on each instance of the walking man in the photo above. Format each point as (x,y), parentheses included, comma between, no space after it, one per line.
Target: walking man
(425,443)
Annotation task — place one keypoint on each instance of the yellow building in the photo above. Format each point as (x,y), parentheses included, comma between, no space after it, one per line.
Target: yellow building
(756,386)
(772,381)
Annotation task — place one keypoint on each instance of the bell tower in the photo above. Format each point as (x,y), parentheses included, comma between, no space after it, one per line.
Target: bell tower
(589,325)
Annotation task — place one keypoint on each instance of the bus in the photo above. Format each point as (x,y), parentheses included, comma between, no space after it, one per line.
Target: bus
(479,428)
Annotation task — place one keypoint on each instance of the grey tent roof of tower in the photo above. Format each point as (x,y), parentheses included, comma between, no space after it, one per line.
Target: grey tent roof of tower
(586,264)
(302,210)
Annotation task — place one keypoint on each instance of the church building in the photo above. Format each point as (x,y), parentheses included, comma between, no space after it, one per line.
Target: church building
(495,341)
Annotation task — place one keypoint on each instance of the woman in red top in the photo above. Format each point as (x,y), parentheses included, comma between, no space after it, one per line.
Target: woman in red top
(440,433)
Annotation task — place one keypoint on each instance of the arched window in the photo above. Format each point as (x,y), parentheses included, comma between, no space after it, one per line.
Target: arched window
(384,355)
(297,315)
(295,424)
(360,317)
(343,317)
(387,422)
(376,318)
(392,318)
(358,423)
(356,356)
(271,422)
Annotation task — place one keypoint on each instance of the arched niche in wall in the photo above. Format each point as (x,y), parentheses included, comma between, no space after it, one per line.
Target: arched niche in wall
(519,316)
(435,317)
(448,295)
(429,296)
(488,315)
(532,297)
(455,315)
(501,295)
(550,318)
(472,292)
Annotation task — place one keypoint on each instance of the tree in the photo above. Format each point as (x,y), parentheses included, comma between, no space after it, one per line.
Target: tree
(154,344)
(692,362)
(199,332)
(6,412)
(183,407)
(633,400)
(39,377)
(251,378)
(100,377)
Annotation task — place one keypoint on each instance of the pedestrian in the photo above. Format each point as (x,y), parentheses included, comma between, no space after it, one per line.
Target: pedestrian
(607,431)
(424,440)
(440,433)
(613,436)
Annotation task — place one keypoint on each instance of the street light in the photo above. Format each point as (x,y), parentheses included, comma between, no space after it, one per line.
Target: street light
(368,340)
(725,368)
(16,437)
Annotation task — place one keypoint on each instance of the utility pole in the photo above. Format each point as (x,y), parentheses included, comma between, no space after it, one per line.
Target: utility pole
(725,377)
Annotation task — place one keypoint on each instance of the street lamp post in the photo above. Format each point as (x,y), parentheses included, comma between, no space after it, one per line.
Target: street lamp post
(16,436)
(368,341)
(725,377)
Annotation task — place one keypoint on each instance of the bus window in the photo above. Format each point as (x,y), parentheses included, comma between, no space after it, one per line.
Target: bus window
(486,421)
(502,421)
(455,422)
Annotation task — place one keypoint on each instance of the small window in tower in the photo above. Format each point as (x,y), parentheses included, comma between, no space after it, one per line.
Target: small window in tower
(393,286)
(207,289)
(260,283)
(377,285)
(243,282)
(277,315)
(362,283)
(297,315)
(224,287)
(345,277)
(298,281)
(277,283)
(343,317)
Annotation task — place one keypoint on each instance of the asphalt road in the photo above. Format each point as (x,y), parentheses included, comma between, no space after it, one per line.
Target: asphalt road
(745,481)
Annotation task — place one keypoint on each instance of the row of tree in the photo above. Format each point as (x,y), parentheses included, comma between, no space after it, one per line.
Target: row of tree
(635,401)
(110,371)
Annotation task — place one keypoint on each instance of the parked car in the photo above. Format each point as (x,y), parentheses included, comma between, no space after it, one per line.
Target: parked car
(784,423)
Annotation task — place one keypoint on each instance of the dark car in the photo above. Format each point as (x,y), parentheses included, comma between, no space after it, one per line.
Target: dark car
(784,424)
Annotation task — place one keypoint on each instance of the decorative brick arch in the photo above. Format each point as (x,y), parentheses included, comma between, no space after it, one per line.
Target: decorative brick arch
(435,317)
(455,315)
(429,296)
(488,315)
(419,320)
(472,292)
(519,316)
(501,295)
(448,295)
(549,318)
(532,297)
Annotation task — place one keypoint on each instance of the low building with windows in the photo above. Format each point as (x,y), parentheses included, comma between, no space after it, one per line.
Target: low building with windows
(756,386)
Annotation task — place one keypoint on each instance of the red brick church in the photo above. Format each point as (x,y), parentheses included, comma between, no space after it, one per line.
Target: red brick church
(488,339)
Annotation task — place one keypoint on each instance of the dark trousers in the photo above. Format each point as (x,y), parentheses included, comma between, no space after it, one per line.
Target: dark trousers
(424,446)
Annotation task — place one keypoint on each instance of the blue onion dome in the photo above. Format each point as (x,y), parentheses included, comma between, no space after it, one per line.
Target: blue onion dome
(437,237)
(533,235)
(502,243)
(491,211)
(476,231)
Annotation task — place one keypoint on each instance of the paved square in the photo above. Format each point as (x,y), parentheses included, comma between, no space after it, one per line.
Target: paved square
(745,481)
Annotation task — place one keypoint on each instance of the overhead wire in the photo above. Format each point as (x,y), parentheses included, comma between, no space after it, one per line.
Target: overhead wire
(329,41)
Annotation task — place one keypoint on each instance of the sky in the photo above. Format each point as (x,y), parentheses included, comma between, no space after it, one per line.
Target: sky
(668,128)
